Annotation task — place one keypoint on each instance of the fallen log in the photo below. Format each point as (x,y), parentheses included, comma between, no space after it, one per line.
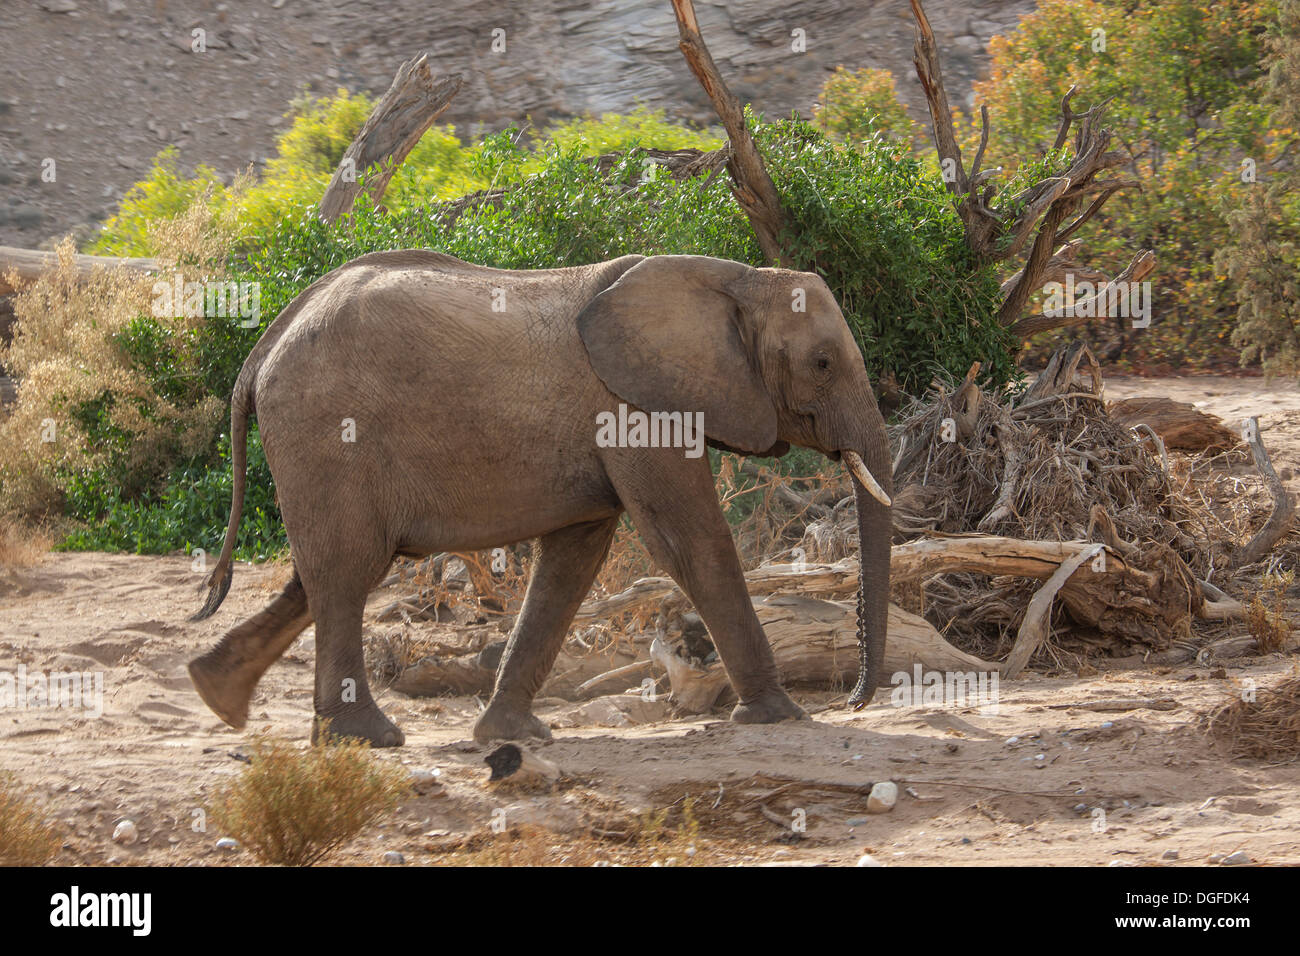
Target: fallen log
(1180,426)
(19,267)
(814,642)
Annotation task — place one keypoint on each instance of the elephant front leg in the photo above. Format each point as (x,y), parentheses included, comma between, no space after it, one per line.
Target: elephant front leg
(672,501)
(565,563)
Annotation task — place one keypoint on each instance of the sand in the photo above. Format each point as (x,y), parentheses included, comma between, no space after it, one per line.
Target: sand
(1038,782)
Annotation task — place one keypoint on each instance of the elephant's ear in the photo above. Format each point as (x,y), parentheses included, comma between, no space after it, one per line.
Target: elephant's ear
(676,334)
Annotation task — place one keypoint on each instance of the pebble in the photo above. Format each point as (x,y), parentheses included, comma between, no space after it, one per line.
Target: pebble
(393,858)
(883,797)
(856,821)
(868,860)
(227,844)
(1240,858)
(125,832)
(1169,855)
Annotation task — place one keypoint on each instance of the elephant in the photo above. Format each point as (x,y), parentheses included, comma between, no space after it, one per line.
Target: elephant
(410,403)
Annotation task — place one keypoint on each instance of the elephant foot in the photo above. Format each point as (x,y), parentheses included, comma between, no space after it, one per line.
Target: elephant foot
(499,722)
(768,708)
(226,691)
(359,722)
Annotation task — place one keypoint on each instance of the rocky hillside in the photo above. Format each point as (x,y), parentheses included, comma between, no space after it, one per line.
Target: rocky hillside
(100,86)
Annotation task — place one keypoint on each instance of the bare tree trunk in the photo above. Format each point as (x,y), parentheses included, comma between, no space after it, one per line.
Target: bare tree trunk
(405,113)
(752,186)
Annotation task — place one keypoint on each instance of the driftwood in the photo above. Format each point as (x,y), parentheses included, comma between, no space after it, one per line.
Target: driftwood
(1034,629)
(1279,522)
(18,267)
(814,642)
(407,110)
(1180,426)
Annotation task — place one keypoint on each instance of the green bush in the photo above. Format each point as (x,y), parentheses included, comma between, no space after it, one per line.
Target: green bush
(871,219)
(190,512)
(440,167)
(856,104)
(1263,260)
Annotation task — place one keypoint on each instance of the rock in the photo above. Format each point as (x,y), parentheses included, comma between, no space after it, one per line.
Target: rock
(1240,858)
(125,832)
(425,781)
(511,763)
(883,797)
(1169,855)
(58,6)
(393,858)
(227,845)
(868,860)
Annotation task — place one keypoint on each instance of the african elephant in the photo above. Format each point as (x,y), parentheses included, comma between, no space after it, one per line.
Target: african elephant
(411,403)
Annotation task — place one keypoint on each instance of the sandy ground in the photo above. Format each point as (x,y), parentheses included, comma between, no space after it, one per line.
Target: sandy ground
(1040,781)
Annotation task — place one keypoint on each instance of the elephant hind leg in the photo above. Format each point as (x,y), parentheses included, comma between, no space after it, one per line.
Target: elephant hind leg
(226,675)
(344,705)
(565,563)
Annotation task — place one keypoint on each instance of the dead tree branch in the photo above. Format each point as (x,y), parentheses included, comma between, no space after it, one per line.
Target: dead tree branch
(1279,522)
(1043,216)
(752,186)
(407,110)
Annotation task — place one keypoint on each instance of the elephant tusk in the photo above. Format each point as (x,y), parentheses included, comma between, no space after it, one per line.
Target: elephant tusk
(859,469)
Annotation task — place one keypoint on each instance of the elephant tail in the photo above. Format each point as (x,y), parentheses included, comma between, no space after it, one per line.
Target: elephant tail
(241,406)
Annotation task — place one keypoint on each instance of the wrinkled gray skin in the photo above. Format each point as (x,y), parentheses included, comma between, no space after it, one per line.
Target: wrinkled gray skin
(476,428)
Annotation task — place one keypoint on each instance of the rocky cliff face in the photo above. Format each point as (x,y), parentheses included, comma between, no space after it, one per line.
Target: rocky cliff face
(99,86)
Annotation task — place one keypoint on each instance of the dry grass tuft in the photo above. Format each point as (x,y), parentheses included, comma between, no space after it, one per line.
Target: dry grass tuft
(294,807)
(22,544)
(26,837)
(666,837)
(1264,727)
(1267,614)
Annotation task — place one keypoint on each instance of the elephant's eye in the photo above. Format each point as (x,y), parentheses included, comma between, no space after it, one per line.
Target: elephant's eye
(823,363)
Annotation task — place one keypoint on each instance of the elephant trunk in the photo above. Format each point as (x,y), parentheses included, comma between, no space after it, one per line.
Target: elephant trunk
(875,529)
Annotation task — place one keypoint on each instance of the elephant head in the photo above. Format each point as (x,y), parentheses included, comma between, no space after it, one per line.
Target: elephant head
(766,356)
